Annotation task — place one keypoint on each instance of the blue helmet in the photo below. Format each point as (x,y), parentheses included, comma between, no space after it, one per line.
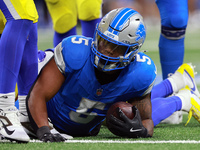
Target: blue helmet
(124,30)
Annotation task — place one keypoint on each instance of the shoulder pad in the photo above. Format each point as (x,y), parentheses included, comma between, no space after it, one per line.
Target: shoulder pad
(146,72)
(76,50)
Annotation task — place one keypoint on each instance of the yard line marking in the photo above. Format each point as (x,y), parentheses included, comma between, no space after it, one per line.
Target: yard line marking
(119,141)
(125,142)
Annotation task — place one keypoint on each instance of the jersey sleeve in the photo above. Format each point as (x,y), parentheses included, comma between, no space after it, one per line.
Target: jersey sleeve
(146,74)
(59,58)
(72,53)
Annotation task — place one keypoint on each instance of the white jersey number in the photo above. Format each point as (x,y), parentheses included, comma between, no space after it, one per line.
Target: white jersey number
(84,112)
(143,59)
(79,41)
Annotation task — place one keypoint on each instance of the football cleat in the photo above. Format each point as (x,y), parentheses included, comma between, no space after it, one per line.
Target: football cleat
(190,103)
(24,120)
(187,71)
(10,126)
(195,108)
(175,118)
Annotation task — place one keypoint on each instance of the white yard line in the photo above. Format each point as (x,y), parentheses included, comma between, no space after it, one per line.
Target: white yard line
(120,141)
(126,142)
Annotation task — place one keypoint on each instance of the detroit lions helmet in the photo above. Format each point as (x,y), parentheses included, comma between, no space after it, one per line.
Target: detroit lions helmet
(125,31)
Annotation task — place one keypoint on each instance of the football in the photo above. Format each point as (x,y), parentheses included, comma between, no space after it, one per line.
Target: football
(125,107)
(127,110)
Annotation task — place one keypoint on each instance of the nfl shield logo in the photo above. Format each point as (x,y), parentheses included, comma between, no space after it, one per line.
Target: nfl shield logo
(99,92)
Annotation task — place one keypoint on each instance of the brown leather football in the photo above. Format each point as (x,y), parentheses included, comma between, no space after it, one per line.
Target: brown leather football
(125,107)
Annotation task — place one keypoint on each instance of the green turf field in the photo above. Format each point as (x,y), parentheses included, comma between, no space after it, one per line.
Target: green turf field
(166,137)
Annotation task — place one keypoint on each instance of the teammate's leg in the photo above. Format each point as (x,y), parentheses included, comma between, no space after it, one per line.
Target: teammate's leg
(174,18)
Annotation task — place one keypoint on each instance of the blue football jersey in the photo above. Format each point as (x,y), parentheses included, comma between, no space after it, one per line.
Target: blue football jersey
(82,102)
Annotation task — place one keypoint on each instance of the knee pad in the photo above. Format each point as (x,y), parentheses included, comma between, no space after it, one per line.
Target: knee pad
(89,9)
(173,33)
(174,26)
(63,14)
(174,17)
(179,20)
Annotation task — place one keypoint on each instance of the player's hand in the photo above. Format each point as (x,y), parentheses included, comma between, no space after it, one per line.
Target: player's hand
(44,134)
(126,127)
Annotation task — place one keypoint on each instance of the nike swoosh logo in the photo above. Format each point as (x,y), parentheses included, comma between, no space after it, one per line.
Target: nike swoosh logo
(135,130)
(193,88)
(6,129)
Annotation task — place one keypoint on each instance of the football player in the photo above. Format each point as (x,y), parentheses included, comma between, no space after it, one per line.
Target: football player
(164,96)
(86,76)
(65,14)
(18,63)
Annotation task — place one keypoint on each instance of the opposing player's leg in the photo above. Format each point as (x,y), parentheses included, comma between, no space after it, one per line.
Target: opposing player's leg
(89,14)
(175,118)
(190,103)
(88,27)
(184,77)
(58,37)
(174,18)
(184,100)
(28,72)
(12,45)
(165,103)
(64,17)
(163,107)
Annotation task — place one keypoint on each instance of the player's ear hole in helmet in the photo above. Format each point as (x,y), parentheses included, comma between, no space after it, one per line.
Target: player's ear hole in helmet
(123,32)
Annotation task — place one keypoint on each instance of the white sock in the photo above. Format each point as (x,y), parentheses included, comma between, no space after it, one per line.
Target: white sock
(7,100)
(177,81)
(22,104)
(185,97)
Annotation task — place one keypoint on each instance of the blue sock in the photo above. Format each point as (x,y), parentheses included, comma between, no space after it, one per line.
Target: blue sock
(12,45)
(29,64)
(162,105)
(162,108)
(171,55)
(88,27)
(162,89)
(58,37)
